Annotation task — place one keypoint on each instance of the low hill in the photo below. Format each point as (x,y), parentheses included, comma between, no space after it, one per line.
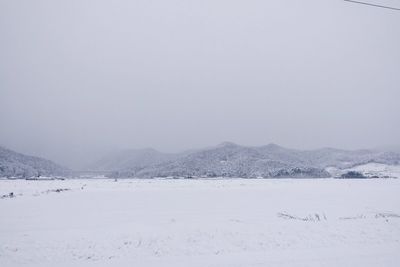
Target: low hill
(13,164)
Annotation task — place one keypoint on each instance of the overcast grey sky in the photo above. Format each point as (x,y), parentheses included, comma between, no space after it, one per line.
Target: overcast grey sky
(79,78)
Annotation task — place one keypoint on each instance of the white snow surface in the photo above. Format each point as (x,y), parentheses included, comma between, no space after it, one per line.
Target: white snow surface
(210,222)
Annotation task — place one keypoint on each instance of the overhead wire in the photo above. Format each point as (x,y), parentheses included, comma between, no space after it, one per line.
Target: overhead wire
(371,4)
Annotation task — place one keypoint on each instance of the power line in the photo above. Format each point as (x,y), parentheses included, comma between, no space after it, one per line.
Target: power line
(369,4)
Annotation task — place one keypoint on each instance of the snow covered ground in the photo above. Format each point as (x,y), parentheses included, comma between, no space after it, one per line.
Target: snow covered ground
(236,222)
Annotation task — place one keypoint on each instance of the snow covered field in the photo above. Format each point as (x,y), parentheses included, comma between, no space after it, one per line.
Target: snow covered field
(237,222)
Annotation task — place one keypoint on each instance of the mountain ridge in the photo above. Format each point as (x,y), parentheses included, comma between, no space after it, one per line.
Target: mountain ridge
(228,159)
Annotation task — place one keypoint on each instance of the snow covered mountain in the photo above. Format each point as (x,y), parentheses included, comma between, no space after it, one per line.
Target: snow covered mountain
(232,160)
(13,164)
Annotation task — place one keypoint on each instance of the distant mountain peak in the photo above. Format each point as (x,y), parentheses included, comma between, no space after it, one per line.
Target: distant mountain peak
(273,145)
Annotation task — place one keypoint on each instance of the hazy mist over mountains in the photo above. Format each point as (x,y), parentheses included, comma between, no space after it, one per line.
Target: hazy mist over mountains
(79,80)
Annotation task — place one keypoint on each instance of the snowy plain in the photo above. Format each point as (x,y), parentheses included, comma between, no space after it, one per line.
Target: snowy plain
(209,222)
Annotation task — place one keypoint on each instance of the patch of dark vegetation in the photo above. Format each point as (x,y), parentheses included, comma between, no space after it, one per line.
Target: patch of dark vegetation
(310,218)
(44,178)
(353,175)
(58,190)
(9,195)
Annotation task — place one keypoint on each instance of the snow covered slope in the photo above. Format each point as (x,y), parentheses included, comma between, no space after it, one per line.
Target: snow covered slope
(232,160)
(13,164)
